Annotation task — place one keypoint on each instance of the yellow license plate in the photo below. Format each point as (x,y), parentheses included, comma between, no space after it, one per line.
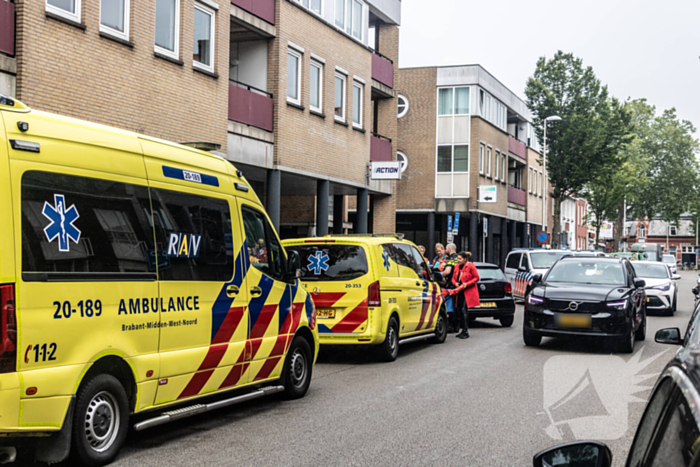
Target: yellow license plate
(325,313)
(488,305)
(574,321)
(647,299)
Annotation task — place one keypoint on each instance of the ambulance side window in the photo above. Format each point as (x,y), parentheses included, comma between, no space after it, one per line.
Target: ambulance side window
(192,233)
(85,229)
(264,250)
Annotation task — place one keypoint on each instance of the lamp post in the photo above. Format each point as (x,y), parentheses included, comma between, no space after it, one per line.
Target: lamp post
(553,118)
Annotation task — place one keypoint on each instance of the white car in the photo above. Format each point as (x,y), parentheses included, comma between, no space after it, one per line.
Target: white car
(661,286)
(523,263)
(670,261)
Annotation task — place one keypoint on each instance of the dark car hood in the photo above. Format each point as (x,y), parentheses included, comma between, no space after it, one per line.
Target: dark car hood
(584,292)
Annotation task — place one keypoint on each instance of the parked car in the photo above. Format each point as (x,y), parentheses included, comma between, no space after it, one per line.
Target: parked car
(596,297)
(671,262)
(661,286)
(523,263)
(496,295)
(587,253)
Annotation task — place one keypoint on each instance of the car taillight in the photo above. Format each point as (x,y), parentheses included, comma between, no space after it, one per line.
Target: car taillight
(312,321)
(509,289)
(374,298)
(8,329)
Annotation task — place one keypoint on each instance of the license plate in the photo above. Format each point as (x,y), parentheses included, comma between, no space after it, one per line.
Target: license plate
(574,321)
(487,304)
(647,299)
(325,313)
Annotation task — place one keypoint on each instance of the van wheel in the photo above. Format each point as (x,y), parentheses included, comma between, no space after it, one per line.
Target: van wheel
(297,369)
(440,329)
(507,321)
(101,421)
(389,349)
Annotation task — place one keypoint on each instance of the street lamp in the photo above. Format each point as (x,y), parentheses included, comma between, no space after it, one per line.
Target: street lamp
(553,118)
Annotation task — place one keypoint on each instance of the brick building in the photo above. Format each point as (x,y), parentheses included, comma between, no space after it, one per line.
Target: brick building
(680,237)
(297,93)
(460,129)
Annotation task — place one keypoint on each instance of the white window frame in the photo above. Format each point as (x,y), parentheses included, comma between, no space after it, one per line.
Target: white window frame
(301,3)
(673,230)
(361,87)
(529,180)
(172,53)
(481,159)
(488,161)
(75,17)
(212,31)
(541,184)
(113,32)
(405,110)
(504,164)
(299,55)
(496,171)
(320,66)
(344,96)
(404,166)
(347,19)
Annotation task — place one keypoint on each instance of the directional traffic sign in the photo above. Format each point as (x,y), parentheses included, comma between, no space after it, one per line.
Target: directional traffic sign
(543,237)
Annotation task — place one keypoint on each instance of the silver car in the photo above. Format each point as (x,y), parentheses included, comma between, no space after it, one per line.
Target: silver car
(661,286)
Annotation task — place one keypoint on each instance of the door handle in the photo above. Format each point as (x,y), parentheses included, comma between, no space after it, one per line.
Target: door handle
(232,290)
(418,284)
(256,291)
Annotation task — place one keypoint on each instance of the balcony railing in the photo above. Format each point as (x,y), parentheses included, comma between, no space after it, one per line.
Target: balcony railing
(382,69)
(249,105)
(379,148)
(7,27)
(263,9)
(517,147)
(516,195)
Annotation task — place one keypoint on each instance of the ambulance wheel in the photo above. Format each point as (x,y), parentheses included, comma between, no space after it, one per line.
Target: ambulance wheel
(440,329)
(297,369)
(100,422)
(389,349)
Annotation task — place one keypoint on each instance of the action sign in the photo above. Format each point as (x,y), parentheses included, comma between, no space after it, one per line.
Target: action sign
(488,194)
(543,237)
(386,170)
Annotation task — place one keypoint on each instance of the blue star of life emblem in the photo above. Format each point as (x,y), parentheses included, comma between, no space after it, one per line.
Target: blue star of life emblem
(61,225)
(385,257)
(318,262)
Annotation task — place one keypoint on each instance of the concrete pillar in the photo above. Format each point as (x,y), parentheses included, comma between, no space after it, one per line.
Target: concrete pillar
(338,212)
(273,197)
(504,242)
(473,236)
(430,247)
(361,220)
(322,190)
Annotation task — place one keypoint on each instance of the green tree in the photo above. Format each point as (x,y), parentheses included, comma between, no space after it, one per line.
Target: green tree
(587,141)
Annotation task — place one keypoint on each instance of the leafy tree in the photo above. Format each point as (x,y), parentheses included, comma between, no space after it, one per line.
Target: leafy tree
(594,127)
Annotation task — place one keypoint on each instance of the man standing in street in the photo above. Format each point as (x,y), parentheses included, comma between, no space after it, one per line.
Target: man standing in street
(447,272)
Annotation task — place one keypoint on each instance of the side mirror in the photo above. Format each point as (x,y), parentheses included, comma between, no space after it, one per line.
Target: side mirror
(293,266)
(578,453)
(676,277)
(696,290)
(537,278)
(640,283)
(669,336)
(522,269)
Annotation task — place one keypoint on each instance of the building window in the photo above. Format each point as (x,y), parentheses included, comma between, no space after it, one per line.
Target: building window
(293,76)
(453,101)
(204,25)
(168,27)
(642,231)
(461,101)
(488,162)
(357,93)
(313,5)
(114,18)
(453,159)
(498,163)
(401,157)
(69,9)
(340,97)
(316,83)
(504,165)
(403,105)
(461,159)
(348,16)
(529,180)
(445,101)
(444,159)
(481,159)
(673,230)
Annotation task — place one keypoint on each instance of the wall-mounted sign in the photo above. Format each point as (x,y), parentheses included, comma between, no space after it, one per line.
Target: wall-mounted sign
(455,229)
(488,194)
(390,170)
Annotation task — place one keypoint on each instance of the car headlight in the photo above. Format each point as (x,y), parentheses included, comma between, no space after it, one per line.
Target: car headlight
(535,300)
(662,287)
(619,305)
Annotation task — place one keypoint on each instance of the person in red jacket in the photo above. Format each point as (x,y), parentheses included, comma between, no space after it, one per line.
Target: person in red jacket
(464,280)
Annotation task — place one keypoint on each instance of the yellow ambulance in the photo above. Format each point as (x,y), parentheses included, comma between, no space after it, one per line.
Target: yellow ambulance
(371,290)
(137,276)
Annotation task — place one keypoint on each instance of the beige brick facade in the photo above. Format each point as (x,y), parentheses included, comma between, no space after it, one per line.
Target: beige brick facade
(483,133)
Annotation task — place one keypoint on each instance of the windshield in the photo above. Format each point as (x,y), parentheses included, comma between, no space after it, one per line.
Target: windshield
(670,259)
(587,272)
(544,260)
(651,271)
(493,274)
(331,262)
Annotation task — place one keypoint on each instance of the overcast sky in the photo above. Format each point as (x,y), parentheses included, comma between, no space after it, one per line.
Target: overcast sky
(639,48)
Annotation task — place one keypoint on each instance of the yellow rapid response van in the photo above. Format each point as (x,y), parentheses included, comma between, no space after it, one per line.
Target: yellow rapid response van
(137,276)
(370,290)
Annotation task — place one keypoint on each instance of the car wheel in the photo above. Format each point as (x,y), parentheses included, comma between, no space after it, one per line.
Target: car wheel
(296,375)
(100,422)
(440,329)
(531,340)
(389,349)
(675,304)
(627,342)
(641,333)
(507,321)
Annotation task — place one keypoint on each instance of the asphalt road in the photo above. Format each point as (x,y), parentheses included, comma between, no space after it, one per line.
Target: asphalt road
(488,400)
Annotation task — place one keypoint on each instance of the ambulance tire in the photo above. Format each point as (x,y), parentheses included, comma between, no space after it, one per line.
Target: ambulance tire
(388,350)
(440,329)
(100,421)
(296,375)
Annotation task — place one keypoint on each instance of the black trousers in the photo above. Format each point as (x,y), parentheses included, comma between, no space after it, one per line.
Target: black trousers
(461,312)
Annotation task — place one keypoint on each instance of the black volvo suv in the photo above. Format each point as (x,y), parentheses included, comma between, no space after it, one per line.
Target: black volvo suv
(587,296)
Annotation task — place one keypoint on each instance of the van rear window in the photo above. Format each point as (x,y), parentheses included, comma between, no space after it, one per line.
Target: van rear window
(331,262)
